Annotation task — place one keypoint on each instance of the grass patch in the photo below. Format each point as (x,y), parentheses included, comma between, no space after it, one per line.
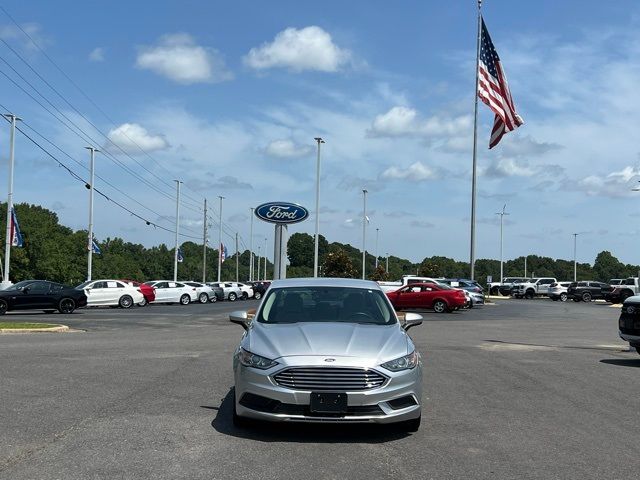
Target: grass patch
(20,325)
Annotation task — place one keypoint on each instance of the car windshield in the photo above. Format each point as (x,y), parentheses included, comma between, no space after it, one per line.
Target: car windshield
(326,304)
(20,285)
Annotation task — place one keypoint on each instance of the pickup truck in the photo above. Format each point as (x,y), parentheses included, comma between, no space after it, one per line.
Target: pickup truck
(627,288)
(536,287)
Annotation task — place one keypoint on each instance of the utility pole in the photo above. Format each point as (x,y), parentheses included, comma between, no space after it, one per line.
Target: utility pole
(237,260)
(265,258)
(204,245)
(8,239)
(317,234)
(251,245)
(220,239)
(175,254)
(575,263)
(387,267)
(502,214)
(92,151)
(377,232)
(364,231)
(525,266)
(258,273)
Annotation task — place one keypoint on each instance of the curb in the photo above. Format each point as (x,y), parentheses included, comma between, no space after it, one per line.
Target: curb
(56,329)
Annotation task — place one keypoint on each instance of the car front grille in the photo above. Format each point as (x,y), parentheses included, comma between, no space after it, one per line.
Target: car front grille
(329,378)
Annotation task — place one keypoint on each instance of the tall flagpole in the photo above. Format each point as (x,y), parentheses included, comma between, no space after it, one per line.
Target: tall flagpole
(220,239)
(91,190)
(251,245)
(175,254)
(8,239)
(204,245)
(317,232)
(472,255)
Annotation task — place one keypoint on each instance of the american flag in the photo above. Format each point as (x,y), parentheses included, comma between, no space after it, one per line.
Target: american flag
(493,90)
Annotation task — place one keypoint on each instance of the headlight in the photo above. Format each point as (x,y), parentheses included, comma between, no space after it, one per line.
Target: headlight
(403,363)
(249,359)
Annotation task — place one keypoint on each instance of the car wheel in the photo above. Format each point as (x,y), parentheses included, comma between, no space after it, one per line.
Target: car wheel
(232,297)
(125,301)
(214,299)
(203,298)
(245,296)
(66,305)
(563,297)
(528,295)
(257,295)
(439,306)
(411,425)
(185,299)
(143,302)
(3,307)
(586,297)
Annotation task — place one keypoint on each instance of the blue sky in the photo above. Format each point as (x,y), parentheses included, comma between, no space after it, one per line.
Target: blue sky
(228,96)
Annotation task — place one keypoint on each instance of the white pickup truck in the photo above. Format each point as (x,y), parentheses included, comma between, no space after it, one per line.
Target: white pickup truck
(536,287)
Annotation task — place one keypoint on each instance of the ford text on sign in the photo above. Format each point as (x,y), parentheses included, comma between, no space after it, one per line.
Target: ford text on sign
(281,212)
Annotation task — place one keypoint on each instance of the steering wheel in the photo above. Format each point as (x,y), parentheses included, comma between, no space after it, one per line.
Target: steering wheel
(363,315)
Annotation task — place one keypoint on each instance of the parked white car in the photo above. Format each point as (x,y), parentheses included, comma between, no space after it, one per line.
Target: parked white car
(204,292)
(110,293)
(558,291)
(168,291)
(247,290)
(231,293)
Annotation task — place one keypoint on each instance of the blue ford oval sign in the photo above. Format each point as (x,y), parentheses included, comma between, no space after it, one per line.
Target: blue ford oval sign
(281,212)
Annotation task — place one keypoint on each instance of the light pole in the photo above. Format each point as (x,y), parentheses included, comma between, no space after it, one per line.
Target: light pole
(258,273)
(317,235)
(387,266)
(251,246)
(8,239)
(220,239)
(377,232)
(502,214)
(92,151)
(265,258)
(175,255)
(575,263)
(204,245)
(364,231)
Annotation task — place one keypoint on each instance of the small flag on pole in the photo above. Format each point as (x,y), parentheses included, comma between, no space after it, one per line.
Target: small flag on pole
(223,253)
(180,257)
(95,248)
(16,236)
(493,90)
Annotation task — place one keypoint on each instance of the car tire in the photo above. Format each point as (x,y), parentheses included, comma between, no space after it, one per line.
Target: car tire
(203,298)
(232,297)
(245,296)
(439,306)
(125,301)
(66,306)
(586,297)
(214,299)
(3,307)
(143,302)
(185,299)
(528,295)
(495,291)
(412,425)
(257,295)
(563,297)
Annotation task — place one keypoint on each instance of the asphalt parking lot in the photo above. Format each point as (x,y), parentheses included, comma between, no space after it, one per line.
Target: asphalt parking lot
(520,389)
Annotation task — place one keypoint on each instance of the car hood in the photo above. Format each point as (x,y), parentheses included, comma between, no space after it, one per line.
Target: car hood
(376,342)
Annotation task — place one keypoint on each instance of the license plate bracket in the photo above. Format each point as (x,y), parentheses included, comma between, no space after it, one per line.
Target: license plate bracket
(328,402)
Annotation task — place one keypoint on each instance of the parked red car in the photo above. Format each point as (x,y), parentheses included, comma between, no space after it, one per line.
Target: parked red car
(147,291)
(441,298)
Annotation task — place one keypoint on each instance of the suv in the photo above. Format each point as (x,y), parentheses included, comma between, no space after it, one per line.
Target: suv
(496,288)
(558,291)
(533,288)
(629,322)
(587,291)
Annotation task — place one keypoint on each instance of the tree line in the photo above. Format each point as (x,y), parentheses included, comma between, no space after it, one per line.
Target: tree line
(55,252)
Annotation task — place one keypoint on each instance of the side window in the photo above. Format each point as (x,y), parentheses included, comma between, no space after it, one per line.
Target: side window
(161,285)
(39,288)
(582,284)
(629,281)
(415,289)
(119,285)
(55,287)
(99,285)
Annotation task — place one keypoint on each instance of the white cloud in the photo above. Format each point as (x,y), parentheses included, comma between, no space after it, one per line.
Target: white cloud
(309,48)
(97,55)
(508,167)
(421,224)
(287,149)
(13,33)
(403,121)
(179,58)
(416,172)
(616,184)
(132,138)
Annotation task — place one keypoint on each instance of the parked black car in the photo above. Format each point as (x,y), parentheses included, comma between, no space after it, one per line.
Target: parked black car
(259,288)
(41,295)
(587,291)
(629,322)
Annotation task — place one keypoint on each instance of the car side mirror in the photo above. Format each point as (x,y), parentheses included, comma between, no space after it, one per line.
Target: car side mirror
(241,318)
(411,320)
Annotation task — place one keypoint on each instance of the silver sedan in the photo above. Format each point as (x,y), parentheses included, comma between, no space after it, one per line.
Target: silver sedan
(327,350)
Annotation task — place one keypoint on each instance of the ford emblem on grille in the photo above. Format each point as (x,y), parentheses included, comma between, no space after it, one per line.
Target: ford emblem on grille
(281,212)
(631,309)
(329,359)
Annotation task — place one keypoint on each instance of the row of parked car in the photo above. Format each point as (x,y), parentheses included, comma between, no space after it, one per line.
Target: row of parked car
(51,296)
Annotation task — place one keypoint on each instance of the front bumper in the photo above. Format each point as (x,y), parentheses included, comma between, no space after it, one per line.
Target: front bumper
(286,404)
(634,340)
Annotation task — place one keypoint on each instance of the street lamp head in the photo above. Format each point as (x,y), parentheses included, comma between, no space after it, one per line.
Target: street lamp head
(319,139)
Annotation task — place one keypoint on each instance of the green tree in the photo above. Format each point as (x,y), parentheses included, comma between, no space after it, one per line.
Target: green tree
(338,264)
(379,274)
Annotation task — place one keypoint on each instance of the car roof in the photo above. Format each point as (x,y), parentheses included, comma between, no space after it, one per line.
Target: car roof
(325,282)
